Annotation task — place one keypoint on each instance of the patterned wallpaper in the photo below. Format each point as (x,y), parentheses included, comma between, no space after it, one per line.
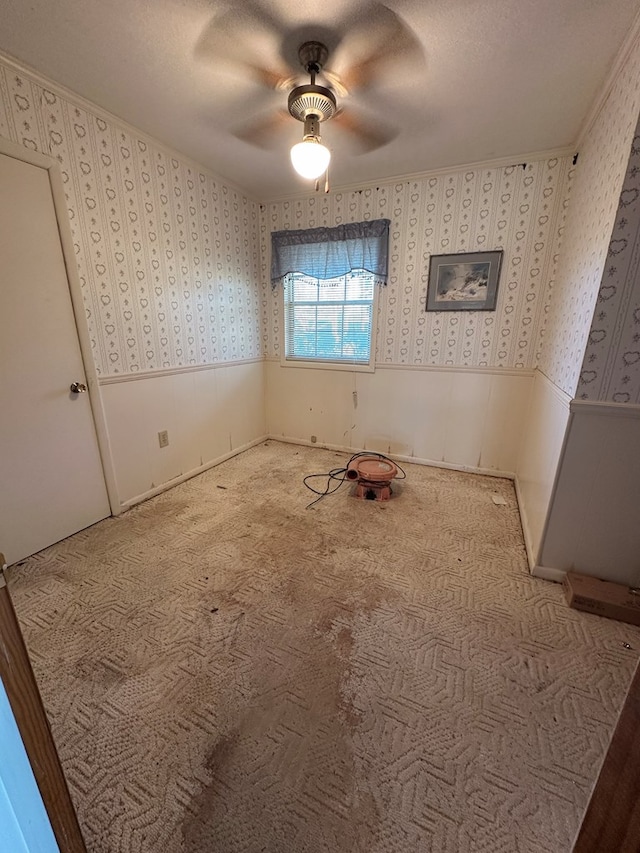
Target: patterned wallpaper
(167,254)
(611,368)
(517,209)
(601,167)
(174,262)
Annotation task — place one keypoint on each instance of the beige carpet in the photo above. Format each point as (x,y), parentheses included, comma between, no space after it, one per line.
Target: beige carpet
(226,670)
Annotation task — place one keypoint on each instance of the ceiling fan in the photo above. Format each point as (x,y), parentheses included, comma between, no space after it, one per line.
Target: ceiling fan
(356,57)
(311,104)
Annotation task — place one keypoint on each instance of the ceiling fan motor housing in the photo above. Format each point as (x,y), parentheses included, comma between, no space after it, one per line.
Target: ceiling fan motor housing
(310,103)
(311,100)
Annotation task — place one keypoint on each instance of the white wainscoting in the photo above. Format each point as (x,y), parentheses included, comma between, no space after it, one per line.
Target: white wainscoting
(210,414)
(594,517)
(471,419)
(540,449)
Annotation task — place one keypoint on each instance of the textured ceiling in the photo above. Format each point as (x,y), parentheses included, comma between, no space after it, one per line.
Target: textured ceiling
(458,81)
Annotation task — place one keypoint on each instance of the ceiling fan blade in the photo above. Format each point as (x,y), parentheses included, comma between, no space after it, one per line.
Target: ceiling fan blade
(265,131)
(368,134)
(230,59)
(224,44)
(374,45)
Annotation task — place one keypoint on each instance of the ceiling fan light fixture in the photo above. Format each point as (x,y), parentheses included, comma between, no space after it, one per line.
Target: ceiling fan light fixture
(310,158)
(311,104)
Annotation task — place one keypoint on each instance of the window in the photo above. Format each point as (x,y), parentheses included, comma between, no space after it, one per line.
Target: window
(330,278)
(330,320)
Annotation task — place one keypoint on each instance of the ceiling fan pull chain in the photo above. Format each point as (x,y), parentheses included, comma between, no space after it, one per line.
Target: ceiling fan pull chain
(326,180)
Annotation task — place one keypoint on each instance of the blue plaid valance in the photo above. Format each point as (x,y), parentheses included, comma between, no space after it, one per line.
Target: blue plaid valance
(326,253)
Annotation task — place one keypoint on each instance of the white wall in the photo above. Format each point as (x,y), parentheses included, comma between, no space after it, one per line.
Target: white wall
(453,417)
(594,517)
(540,447)
(210,414)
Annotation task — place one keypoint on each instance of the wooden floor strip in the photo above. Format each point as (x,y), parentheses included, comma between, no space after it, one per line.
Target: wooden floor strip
(28,710)
(612,820)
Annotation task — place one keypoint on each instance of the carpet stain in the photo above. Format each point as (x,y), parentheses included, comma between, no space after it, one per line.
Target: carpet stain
(293,753)
(290,747)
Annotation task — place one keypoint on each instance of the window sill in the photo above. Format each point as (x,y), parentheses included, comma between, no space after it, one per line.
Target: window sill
(350,366)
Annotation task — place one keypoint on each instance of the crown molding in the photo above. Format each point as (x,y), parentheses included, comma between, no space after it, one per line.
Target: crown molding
(85,104)
(619,62)
(497,163)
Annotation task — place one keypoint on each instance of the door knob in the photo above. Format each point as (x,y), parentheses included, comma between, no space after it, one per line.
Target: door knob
(78,388)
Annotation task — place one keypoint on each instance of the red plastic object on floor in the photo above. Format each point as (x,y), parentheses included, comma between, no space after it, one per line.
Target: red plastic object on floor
(374,477)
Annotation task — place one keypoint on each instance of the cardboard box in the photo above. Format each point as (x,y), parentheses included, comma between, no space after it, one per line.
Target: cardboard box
(603,598)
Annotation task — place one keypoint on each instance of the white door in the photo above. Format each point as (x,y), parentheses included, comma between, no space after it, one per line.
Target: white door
(51,477)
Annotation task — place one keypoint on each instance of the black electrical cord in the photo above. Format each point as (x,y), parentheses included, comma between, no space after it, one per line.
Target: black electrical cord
(340,475)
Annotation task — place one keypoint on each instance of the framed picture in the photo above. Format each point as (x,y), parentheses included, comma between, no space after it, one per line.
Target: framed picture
(464,282)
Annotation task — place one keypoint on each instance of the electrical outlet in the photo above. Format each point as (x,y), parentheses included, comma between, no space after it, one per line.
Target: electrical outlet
(163,438)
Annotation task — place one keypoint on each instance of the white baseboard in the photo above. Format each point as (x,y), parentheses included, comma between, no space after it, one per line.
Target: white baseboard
(416,460)
(544,572)
(526,533)
(151,493)
(536,571)
(548,574)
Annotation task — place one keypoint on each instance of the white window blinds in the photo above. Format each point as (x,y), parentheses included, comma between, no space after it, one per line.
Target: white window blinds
(329,320)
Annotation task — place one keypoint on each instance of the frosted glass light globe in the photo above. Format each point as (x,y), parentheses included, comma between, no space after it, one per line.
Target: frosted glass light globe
(310,158)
